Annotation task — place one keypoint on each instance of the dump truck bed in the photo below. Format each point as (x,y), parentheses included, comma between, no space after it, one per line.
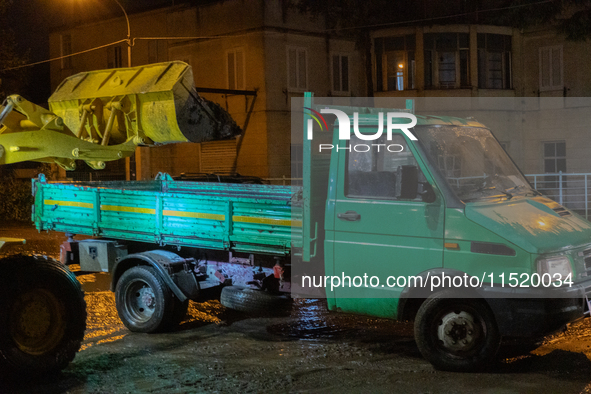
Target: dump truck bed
(233,217)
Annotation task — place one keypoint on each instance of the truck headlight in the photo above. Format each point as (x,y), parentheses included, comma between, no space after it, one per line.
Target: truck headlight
(555,265)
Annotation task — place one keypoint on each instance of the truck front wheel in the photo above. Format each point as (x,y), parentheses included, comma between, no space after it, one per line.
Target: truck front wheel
(456,334)
(43,315)
(145,303)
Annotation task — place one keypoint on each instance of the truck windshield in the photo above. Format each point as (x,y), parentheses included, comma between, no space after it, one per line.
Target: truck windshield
(472,161)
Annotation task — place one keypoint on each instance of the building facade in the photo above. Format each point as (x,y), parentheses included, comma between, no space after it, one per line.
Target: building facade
(271,49)
(262,53)
(528,86)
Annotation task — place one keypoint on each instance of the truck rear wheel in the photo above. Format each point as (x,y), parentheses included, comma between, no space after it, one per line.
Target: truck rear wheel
(253,301)
(456,334)
(145,303)
(43,315)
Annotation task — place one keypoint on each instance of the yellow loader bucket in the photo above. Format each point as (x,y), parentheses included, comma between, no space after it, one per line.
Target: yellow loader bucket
(150,104)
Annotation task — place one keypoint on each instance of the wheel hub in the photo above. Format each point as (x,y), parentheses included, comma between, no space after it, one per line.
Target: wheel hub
(141,301)
(148,299)
(37,322)
(457,331)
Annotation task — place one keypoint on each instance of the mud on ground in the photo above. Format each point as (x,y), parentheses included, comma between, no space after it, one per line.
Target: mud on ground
(218,350)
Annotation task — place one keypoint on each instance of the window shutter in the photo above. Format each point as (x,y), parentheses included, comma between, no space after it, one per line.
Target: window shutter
(218,156)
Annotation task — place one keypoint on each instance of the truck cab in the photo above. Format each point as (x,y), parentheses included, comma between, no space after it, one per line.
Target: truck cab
(444,230)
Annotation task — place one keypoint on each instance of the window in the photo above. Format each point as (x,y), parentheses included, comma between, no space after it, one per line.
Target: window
(297,163)
(554,162)
(66,49)
(447,60)
(395,63)
(340,73)
(376,173)
(494,61)
(554,157)
(235,64)
(551,68)
(114,57)
(218,157)
(153,51)
(297,68)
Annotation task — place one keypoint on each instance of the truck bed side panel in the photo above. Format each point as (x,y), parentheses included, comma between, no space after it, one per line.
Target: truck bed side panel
(246,218)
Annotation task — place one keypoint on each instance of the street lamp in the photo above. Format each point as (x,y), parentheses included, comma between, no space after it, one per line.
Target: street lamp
(128,33)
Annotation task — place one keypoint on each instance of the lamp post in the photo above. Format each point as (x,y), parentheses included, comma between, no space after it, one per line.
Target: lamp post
(128,33)
(138,153)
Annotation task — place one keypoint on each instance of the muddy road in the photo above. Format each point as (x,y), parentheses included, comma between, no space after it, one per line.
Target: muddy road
(218,350)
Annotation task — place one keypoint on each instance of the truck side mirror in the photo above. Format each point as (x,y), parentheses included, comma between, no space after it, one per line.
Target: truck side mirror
(408,176)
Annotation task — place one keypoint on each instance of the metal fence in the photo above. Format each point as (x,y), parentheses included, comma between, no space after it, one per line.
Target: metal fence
(571,190)
(568,189)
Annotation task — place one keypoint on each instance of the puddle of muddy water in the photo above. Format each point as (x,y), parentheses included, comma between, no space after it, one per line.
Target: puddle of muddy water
(311,320)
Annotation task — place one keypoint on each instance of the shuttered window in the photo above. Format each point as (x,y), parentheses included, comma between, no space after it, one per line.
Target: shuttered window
(235,62)
(551,68)
(218,156)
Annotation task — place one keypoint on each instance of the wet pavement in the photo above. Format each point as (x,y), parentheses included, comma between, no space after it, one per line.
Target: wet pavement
(218,350)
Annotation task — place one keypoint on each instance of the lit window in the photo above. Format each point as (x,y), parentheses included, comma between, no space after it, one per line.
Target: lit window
(395,63)
(297,68)
(551,68)
(340,73)
(447,60)
(236,73)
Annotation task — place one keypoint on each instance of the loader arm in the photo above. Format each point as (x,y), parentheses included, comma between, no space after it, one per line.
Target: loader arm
(103,115)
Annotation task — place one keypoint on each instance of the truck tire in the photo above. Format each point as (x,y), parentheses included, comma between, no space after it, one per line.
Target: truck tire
(456,334)
(43,316)
(145,303)
(253,301)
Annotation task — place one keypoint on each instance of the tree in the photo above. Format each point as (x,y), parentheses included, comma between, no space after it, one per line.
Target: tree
(11,81)
(570,17)
(14,201)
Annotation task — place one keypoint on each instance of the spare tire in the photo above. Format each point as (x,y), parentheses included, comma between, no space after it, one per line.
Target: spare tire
(256,302)
(43,315)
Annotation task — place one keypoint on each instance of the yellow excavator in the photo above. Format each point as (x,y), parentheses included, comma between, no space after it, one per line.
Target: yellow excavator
(95,116)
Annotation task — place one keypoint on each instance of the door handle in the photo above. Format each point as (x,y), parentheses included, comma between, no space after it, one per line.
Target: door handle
(351,216)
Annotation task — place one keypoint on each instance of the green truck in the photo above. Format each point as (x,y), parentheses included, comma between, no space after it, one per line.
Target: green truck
(434,224)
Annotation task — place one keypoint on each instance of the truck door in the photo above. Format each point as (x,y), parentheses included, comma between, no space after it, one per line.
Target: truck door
(380,230)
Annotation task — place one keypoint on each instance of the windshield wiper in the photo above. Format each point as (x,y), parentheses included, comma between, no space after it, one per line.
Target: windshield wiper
(482,189)
(530,190)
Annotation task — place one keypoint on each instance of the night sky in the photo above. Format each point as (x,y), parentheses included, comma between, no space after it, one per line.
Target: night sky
(33,20)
